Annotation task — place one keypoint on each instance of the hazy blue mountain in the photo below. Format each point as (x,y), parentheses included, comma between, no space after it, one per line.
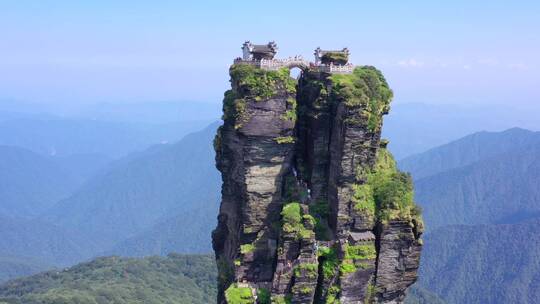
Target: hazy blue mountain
(157,112)
(30,183)
(493,190)
(481,204)
(16,266)
(153,112)
(188,232)
(43,241)
(175,279)
(469,149)
(483,263)
(81,167)
(411,127)
(64,137)
(142,190)
(419,295)
(414,127)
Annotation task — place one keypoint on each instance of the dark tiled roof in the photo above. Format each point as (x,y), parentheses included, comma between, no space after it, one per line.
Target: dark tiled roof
(262,48)
(327,51)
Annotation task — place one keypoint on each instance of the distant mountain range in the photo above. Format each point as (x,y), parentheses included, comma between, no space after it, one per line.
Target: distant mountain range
(480,197)
(65,137)
(31,183)
(115,129)
(135,194)
(44,242)
(158,201)
(468,150)
(482,178)
(415,127)
(151,112)
(481,204)
(188,232)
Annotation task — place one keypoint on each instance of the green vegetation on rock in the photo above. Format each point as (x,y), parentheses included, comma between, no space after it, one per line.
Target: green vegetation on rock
(307,269)
(319,210)
(365,88)
(332,296)
(284,140)
(225,272)
(290,114)
(261,84)
(246,248)
(330,261)
(234,108)
(263,296)
(281,299)
(239,295)
(360,252)
(363,199)
(217,139)
(370,294)
(386,191)
(256,84)
(293,221)
(355,254)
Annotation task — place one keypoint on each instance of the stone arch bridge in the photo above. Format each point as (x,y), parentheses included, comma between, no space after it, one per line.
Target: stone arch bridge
(296,62)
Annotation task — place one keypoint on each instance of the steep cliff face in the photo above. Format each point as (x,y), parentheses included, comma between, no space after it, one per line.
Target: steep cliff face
(313,208)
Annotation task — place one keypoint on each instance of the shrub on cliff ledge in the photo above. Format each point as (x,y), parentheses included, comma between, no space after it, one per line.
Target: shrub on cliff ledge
(234,108)
(239,295)
(261,84)
(367,88)
(389,190)
(329,261)
(284,140)
(293,221)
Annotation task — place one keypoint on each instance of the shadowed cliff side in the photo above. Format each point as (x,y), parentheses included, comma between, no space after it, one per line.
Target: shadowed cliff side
(313,207)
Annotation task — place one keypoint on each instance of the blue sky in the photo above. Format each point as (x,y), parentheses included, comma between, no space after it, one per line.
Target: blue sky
(430,51)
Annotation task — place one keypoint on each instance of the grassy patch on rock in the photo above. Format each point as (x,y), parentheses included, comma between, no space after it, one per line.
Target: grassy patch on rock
(365,88)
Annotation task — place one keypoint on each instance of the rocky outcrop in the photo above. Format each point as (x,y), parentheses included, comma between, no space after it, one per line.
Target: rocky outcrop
(313,208)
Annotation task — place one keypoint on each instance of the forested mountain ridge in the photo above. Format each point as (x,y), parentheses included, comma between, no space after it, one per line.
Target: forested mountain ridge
(482,210)
(31,183)
(12,267)
(492,190)
(495,264)
(45,241)
(175,279)
(468,150)
(188,232)
(139,192)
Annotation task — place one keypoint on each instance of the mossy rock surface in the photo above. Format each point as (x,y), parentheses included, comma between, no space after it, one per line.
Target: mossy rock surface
(365,88)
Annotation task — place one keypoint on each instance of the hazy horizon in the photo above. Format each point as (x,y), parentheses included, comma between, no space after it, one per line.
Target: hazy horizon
(68,52)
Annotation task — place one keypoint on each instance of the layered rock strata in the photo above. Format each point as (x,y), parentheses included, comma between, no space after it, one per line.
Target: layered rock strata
(313,207)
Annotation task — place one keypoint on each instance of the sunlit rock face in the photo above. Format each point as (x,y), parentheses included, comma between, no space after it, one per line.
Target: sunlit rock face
(313,207)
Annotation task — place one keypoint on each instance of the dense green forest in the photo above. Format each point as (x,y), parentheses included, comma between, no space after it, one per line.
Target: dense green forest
(175,279)
(483,263)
